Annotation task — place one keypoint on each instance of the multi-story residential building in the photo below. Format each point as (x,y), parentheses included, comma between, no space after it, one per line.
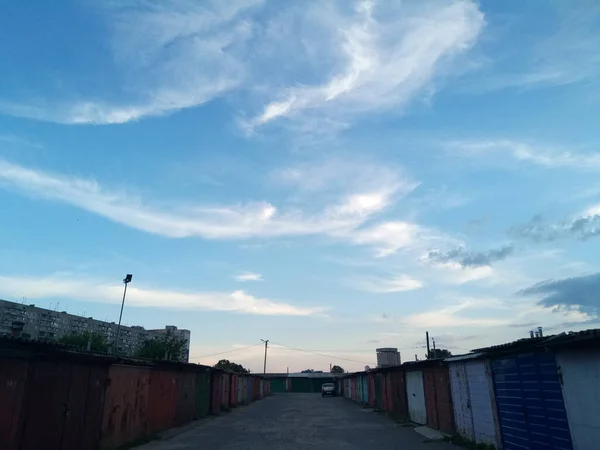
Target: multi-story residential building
(171,330)
(388,356)
(40,323)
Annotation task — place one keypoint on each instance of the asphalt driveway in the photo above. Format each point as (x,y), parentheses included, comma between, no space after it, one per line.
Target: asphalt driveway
(297,421)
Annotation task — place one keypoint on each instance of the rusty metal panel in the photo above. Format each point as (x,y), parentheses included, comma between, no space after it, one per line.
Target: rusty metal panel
(444,399)
(226,387)
(215,398)
(430,398)
(96,391)
(13,375)
(125,416)
(233,393)
(185,403)
(162,395)
(438,399)
(398,394)
(203,392)
(83,412)
(47,405)
(371,378)
(240,390)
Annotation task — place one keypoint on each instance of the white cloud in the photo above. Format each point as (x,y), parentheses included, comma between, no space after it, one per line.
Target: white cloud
(341,219)
(520,151)
(166,56)
(87,289)
(249,276)
(383,56)
(398,283)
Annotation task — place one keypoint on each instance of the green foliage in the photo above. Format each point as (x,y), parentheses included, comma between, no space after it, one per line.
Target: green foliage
(97,342)
(165,347)
(337,369)
(438,353)
(230,366)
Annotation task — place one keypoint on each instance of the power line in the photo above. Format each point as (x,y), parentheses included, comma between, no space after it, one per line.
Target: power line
(321,354)
(223,353)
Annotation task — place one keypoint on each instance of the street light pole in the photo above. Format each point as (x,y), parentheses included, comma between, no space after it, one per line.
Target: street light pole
(126,281)
(266,345)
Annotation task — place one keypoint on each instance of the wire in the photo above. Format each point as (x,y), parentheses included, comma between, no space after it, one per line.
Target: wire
(223,353)
(321,354)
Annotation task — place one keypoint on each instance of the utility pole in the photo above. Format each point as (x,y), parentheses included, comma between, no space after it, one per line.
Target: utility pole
(434,353)
(126,281)
(266,346)
(427,337)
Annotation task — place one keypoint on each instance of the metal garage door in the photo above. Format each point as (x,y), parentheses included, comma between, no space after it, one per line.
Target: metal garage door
(471,395)
(580,370)
(529,398)
(416,397)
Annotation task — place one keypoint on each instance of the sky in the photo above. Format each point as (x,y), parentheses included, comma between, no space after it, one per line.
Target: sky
(333,176)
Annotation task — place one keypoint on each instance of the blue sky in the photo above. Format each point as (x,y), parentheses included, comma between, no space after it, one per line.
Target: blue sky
(332,176)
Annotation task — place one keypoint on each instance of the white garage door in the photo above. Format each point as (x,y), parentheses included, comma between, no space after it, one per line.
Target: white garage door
(471,397)
(416,397)
(580,371)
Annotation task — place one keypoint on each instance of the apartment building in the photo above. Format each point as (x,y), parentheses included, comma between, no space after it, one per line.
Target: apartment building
(388,356)
(40,323)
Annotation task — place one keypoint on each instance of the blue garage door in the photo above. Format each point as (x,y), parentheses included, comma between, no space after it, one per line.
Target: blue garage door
(530,403)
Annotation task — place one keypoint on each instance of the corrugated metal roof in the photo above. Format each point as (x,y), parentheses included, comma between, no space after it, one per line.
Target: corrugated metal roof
(465,357)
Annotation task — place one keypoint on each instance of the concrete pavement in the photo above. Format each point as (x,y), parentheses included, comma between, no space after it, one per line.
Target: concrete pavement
(298,421)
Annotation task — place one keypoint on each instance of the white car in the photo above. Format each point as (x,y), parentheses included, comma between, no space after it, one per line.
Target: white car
(327,389)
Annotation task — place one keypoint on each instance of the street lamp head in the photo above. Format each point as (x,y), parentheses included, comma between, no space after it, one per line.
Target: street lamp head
(128,278)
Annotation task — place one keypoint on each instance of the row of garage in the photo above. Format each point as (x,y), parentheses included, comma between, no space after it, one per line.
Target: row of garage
(57,398)
(539,393)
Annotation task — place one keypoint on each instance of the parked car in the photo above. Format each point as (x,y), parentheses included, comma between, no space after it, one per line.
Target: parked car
(327,389)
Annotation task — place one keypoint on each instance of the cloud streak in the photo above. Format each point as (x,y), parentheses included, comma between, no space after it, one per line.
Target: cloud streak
(383,57)
(377,285)
(249,276)
(533,154)
(538,229)
(575,292)
(471,259)
(344,219)
(93,290)
(167,56)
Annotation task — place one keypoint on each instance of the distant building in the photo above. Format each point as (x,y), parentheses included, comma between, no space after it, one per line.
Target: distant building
(388,356)
(171,330)
(39,323)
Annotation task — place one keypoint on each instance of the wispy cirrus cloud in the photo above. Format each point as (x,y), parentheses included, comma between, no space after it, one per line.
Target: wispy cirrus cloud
(96,290)
(583,226)
(249,276)
(383,56)
(538,155)
(166,56)
(342,219)
(381,285)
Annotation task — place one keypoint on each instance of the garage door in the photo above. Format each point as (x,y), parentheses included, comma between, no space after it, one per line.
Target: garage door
(416,397)
(581,371)
(531,410)
(472,401)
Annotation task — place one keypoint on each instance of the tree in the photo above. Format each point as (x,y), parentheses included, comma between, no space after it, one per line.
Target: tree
(308,371)
(438,353)
(337,369)
(165,347)
(230,366)
(96,342)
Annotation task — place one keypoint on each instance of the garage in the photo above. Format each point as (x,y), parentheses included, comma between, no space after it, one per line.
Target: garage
(416,397)
(531,409)
(473,402)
